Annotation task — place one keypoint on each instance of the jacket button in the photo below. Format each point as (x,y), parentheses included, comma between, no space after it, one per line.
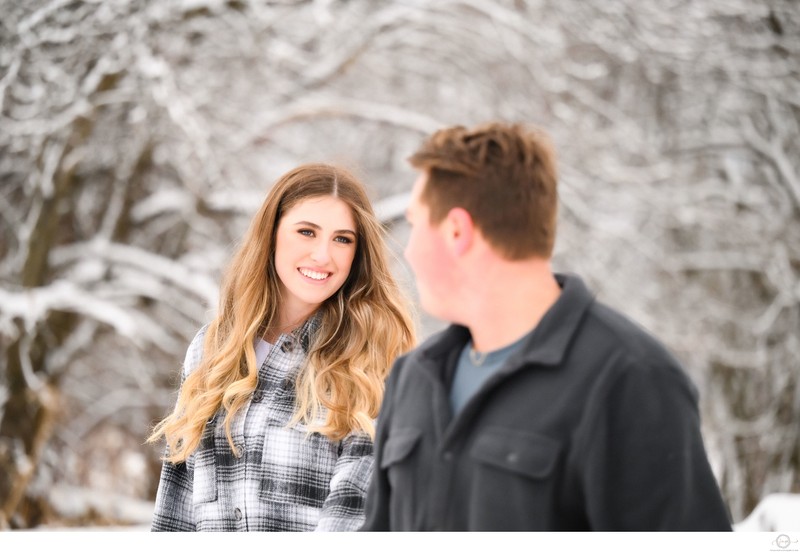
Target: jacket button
(237,512)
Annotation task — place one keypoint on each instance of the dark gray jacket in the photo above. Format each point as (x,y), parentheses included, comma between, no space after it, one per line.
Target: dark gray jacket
(592,425)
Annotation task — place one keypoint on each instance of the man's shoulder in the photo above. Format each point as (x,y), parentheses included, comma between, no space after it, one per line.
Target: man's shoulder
(419,351)
(424,351)
(615,329)
(630,341)
(613,324)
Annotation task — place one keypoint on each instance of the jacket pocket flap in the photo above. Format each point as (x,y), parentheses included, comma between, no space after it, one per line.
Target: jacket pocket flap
(398,445)
(532,455)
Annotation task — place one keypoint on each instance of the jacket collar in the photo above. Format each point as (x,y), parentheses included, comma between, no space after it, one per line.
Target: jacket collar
(549,342)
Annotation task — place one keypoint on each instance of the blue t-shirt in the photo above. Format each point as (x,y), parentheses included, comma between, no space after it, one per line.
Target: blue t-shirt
(472,373)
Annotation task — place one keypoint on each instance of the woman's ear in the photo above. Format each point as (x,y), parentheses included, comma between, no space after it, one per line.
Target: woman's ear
(460,230)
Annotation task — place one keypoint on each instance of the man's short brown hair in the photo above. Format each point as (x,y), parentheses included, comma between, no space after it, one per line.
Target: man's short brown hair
(504,175)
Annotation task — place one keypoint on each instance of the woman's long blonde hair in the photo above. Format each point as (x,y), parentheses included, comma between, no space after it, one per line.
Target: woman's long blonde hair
(364,326)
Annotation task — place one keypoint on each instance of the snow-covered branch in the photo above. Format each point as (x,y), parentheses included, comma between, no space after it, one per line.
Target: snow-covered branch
(32,305)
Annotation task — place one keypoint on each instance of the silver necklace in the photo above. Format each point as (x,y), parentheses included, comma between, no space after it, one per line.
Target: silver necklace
(477,357)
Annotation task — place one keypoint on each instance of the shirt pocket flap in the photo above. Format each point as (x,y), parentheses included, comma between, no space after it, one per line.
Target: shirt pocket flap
(531,455)
(399,445)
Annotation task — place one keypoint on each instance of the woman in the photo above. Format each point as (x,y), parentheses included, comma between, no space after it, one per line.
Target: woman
(273,426)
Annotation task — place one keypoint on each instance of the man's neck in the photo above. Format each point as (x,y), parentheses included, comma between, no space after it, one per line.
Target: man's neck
(509,302)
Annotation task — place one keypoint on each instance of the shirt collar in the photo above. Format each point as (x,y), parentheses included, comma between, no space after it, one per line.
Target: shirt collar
(303,335)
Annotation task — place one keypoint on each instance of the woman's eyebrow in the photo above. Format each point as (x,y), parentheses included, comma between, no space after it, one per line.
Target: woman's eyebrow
(315,226)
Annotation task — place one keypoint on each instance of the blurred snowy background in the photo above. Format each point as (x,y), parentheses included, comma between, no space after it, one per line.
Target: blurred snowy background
(138,136)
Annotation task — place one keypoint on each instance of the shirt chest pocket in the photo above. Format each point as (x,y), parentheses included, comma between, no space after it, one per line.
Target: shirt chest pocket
(204,486)
(532,456)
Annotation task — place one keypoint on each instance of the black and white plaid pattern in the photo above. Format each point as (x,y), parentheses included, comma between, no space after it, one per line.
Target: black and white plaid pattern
(285,479)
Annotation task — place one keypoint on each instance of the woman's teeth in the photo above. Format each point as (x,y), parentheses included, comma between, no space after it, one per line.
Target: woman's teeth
(314,274)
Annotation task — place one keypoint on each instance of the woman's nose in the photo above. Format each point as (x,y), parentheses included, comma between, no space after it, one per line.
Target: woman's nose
(320,253)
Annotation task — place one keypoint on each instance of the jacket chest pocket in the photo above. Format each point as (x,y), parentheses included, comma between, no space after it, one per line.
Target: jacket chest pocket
(521,454)
(396,452)
(400,462)
(399,446)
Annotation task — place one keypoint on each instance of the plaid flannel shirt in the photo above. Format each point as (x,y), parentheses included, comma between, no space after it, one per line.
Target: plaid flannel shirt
(285,479)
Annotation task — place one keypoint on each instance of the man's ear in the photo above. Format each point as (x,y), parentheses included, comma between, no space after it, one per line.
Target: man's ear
(460,230)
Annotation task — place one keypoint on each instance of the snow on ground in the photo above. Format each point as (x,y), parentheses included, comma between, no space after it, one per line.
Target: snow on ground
(779,512)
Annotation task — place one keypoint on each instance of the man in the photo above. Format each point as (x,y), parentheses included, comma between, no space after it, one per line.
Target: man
(539,408)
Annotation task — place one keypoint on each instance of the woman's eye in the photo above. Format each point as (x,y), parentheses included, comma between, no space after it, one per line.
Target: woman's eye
(344,239)
(306,232)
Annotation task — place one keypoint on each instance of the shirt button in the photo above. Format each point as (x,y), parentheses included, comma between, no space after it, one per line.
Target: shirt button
(258,395)
(288,345)
(237,512)
(239,450)
(448,456)
(512,457)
